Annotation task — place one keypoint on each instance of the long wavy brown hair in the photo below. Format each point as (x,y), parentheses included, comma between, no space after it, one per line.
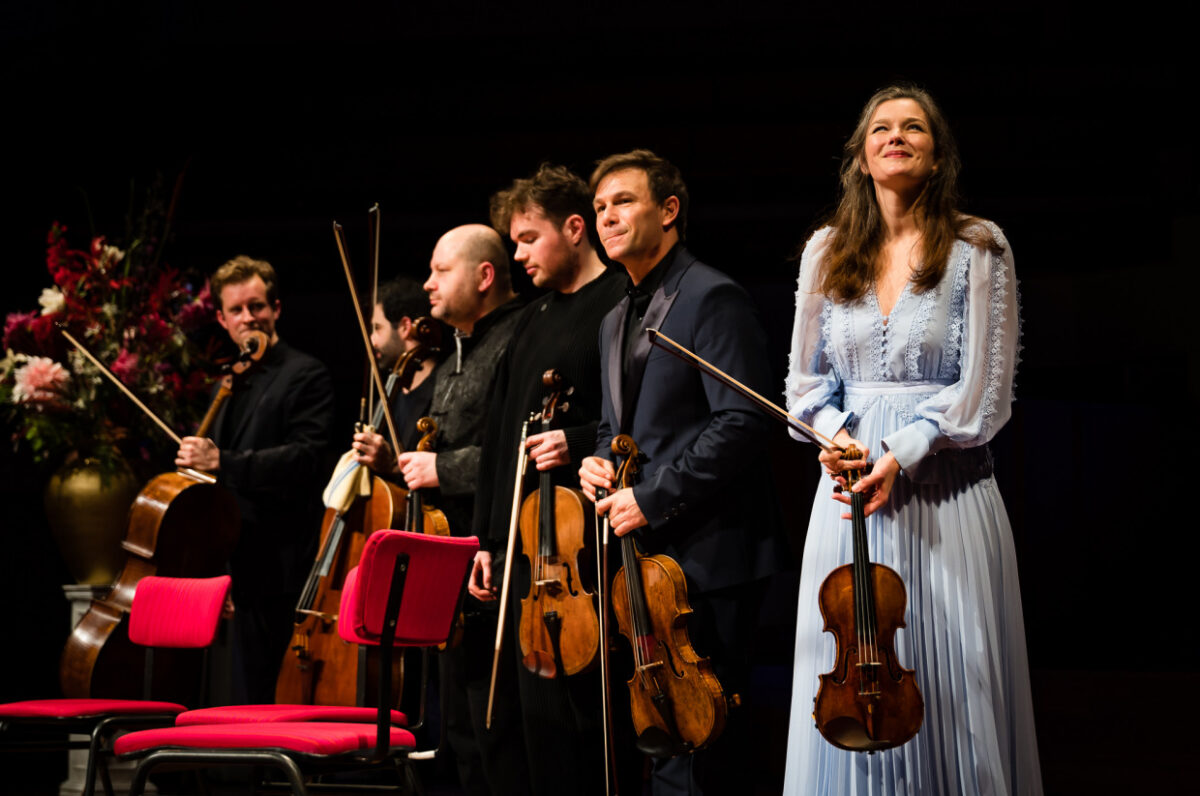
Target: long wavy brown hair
(852,260)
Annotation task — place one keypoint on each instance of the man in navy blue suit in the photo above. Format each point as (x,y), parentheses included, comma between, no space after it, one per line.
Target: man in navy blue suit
(705,495)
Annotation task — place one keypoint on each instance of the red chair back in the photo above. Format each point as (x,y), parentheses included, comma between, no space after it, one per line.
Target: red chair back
(436,573)
(177,612)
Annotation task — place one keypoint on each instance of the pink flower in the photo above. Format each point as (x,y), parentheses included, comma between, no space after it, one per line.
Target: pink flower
(40,380)
(124,367)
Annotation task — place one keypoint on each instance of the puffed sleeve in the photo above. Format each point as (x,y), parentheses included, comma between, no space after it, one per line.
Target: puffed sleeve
(813,391)
(970,411)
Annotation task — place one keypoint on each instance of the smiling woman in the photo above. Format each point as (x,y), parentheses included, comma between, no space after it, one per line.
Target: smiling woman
(905,344)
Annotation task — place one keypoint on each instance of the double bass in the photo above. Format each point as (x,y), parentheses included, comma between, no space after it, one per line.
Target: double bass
(559,631)
(677,702)
(181,524)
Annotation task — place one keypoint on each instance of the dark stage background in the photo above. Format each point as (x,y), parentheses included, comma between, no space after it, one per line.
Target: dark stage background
(1075,136)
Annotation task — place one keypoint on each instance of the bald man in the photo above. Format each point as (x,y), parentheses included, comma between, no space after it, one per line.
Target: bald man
(469,288)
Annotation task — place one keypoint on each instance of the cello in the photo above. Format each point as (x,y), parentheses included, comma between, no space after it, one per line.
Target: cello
(559,631)
(319,667)
(181,524)
(677,702)
(868,701)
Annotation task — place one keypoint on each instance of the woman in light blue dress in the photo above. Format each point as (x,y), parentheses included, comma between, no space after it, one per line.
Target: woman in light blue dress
(906,344)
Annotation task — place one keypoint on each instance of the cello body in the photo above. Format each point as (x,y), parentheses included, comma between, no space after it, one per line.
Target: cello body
(320,668)
(179,526)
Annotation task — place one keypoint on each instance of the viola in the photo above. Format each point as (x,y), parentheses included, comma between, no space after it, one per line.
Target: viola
(677,702)
(559,631)
(181,524)
(868,701)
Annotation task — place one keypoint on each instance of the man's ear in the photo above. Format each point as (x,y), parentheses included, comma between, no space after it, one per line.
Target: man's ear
(485,275)
(669,211)
(574,229)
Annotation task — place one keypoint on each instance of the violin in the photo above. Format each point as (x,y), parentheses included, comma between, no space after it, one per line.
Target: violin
(420,517)
(868,701)
(677,702)
(559,631)
(181,524)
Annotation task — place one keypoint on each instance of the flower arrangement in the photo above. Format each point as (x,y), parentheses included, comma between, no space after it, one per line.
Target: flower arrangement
(132,313)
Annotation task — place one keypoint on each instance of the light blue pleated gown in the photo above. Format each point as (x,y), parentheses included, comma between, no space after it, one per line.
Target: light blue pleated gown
(932,385)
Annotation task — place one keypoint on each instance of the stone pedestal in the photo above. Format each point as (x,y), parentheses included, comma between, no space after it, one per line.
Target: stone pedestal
(80,597)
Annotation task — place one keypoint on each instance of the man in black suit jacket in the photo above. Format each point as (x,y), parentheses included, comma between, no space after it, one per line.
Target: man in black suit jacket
(704,497)
(268,448)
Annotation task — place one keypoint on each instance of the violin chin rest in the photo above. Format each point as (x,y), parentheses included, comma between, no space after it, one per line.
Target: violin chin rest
(656,742)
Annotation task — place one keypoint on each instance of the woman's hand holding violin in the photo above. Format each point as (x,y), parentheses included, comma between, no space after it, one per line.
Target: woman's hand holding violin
(876,485)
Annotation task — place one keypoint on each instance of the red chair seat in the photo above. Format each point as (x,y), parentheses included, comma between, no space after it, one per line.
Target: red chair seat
(308,738)
(250,714)
(85,708)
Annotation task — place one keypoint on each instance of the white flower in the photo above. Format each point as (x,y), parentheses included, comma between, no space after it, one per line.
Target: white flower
(52,300)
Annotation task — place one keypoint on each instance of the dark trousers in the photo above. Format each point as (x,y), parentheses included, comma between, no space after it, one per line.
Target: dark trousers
(722,627)
(490,761)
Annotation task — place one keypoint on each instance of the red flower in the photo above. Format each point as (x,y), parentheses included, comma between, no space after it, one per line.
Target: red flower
(18,331)
(124,367)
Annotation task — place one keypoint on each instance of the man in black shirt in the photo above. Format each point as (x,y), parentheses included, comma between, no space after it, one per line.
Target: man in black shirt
(401,302)
(547,217)
(268,447)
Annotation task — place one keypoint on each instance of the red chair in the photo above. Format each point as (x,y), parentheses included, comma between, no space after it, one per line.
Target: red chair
(406,591)
(180,613)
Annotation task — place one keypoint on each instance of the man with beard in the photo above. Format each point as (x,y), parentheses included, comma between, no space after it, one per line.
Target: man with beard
(470,289)
(547,217)
(401,302)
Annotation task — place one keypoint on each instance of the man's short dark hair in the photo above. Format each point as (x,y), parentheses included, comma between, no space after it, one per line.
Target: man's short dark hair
(664,179)
(403,298)
(555,190)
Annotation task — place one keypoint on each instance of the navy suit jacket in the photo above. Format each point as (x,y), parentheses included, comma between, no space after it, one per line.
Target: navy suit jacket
(705,485)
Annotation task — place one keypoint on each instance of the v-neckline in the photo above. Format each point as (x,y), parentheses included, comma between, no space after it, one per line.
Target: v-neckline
(886,317)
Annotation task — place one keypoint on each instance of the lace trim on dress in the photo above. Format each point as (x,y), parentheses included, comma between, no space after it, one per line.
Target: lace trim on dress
(849,345)
(995,365)
(916,333)
(951,365)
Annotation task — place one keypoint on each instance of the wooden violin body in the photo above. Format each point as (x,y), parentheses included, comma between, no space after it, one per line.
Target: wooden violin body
(559,630)
(180,526)
(678,704)
(869,701)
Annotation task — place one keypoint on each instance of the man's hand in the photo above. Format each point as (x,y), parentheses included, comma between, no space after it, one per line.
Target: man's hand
(419,469)
(198,453)
(596,473)
(372,450)
(624,514)
(480,585)
(548,450)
